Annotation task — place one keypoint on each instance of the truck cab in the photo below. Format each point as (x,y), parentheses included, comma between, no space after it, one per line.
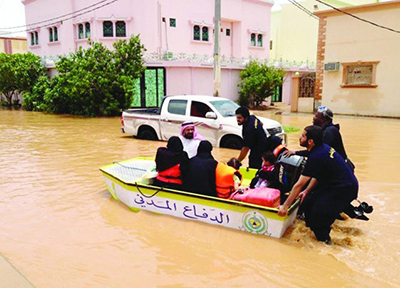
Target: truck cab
(214,118)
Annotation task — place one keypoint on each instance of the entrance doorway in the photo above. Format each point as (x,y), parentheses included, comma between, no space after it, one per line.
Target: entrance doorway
(307,85)
(150,88)
(277,96)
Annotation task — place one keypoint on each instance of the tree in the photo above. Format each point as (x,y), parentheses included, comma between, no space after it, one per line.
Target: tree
(34,100)
(258,81)
(18,73)
(95,81)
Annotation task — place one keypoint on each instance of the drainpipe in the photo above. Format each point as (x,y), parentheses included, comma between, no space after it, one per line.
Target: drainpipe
(159,48)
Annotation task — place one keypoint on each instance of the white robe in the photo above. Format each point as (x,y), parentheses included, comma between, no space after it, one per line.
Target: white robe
(190,146)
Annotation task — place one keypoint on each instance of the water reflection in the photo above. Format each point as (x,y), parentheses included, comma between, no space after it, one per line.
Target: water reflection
(57,216)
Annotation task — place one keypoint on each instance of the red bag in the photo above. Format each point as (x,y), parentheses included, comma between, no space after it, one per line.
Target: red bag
(263,196)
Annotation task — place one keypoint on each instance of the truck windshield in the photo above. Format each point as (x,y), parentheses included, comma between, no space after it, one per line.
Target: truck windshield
(226,108)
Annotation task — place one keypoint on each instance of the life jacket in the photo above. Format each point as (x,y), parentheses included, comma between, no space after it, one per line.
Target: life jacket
(171,175)
(225,180)
(278,149)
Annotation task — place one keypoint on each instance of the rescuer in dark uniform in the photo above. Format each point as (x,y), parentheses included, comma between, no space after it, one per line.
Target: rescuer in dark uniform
(332,188)
(253,137)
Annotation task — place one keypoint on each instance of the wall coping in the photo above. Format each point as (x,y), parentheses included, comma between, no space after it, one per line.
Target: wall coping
(359,8)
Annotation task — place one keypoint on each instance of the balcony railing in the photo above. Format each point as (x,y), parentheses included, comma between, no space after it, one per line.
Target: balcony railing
(226,61)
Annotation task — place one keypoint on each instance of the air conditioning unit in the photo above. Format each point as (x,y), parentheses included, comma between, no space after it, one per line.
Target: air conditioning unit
(331,66)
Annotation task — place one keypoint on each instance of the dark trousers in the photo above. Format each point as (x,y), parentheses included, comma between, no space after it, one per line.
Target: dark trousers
(321,208)
(255,160)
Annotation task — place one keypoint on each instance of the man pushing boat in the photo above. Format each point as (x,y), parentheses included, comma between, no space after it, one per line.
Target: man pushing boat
(333,185)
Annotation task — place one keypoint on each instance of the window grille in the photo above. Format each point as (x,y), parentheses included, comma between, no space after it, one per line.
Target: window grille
(80,31)
(87,30)
(196,33)
(51,34)
(204,34)
(120,29)
(253,39)
(108,29)
(259,40)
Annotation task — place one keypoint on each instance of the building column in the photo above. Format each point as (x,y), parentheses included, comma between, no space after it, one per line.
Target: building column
(319,75)
(294,101)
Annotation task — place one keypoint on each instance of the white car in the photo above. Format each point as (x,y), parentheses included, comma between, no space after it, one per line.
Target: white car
(214,118)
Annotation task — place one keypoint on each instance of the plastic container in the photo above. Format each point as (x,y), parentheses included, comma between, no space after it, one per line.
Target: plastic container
(263,196)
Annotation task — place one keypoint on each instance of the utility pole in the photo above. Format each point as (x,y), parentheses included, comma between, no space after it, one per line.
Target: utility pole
(217,49)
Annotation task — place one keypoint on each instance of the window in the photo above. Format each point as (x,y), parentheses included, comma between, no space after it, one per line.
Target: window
(204,34)
(196,33)
(199,109)
(359,74)
(226,108)
(256,40)
(80,31)
(259,40)
(253,39)
(271,45)
(120,29)
(228,32)
(87,30)
(172,22)
(177,107)
(84,30)
(53,34)
(108,29)
(34,38)
(201,33)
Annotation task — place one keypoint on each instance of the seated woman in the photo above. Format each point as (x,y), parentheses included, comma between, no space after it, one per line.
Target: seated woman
(168,160)
(199,173)
(228,178)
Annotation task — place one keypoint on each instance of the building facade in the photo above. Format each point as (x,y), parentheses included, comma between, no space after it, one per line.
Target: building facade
(178,36)
(294,38)
(12,45)
(358,63)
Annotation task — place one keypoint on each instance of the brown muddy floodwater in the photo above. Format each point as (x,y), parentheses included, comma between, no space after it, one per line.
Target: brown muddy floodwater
(60,227)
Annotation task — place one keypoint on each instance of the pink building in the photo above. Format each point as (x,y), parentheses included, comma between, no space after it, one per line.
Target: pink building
(178,36)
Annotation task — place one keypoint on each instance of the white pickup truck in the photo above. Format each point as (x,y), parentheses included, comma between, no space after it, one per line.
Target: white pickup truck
(214,118)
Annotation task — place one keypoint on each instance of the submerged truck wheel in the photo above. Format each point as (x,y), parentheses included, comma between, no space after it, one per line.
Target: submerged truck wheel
(147,134)
(232,142)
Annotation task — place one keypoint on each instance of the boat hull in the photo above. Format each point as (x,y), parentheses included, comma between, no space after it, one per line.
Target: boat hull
(223,212)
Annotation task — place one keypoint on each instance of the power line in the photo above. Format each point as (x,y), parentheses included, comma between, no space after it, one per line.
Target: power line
(60,19)
(55,18)
(304,9)
(301,7)
(359,18)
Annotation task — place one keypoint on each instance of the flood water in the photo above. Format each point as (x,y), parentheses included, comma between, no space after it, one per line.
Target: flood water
(61,228)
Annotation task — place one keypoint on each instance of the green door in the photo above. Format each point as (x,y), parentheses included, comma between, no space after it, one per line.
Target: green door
(277,97)
(150,88)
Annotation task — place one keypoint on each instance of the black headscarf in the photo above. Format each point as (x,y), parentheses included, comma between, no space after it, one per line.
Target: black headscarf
(204,147)
(171,155)
(175,144)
